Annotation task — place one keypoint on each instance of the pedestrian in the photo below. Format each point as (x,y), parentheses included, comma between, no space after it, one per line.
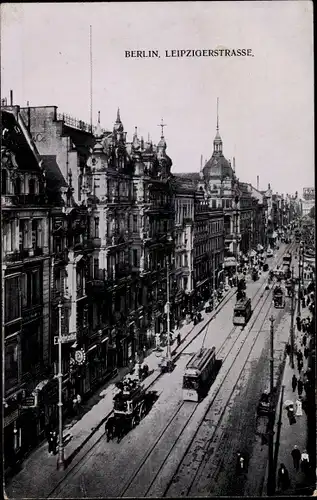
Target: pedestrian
(299,365)
(54,442)
(304,461)
(298,323)
(282,478)
(299,407)
(178,339)
(303,302)
(288,349)
(50,441)
(296,455)
(308,300)
(304,340)
(299,355)
(294,382)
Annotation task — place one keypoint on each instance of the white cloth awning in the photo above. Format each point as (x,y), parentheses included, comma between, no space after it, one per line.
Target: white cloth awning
(229,261)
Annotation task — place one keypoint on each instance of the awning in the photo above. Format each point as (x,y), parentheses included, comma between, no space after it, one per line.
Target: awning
(229,262)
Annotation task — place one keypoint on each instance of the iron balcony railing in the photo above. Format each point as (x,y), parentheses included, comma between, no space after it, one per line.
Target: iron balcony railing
(78,124)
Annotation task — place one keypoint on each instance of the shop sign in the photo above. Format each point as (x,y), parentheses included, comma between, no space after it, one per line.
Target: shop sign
(70,337)
(11,418)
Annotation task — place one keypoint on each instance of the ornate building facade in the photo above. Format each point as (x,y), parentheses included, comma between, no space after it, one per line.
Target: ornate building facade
(25,282)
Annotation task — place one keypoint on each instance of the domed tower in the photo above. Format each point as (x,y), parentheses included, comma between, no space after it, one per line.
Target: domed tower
(217,167)
(164,163)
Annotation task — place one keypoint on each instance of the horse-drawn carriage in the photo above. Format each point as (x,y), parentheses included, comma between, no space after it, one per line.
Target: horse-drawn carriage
(131,404)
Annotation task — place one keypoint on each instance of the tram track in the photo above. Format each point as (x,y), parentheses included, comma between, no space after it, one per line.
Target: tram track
(188,413)
(146,465)
(197,465)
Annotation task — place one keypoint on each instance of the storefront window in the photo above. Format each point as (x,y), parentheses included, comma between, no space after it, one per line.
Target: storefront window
(11,365)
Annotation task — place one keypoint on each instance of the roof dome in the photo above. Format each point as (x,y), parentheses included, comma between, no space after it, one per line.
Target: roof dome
(162,143)
(218,166)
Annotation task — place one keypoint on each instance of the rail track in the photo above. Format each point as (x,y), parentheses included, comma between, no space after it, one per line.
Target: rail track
(186,411)
(146,465)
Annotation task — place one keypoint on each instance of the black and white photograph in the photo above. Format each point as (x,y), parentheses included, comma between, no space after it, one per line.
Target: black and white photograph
(158,249)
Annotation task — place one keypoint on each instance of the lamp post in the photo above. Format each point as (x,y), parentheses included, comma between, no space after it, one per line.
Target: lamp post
(169,361)
(271,478)
(60,459)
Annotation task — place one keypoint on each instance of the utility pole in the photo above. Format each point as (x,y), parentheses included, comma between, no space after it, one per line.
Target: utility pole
(271,479)
(168,352)
(60,459)
(292,319)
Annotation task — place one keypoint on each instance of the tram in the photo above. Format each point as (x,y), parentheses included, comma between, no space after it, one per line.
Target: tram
(242,312)
(199,374)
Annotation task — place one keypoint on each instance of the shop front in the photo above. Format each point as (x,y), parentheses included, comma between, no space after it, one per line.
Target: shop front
(12,433)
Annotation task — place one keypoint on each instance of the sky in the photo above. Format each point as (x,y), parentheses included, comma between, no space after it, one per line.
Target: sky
(266,101)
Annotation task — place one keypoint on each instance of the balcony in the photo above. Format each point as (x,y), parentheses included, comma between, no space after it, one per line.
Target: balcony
(19,255)
(122,271)
(19,200)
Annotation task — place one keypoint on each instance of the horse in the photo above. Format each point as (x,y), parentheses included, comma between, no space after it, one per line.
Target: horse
(110,428)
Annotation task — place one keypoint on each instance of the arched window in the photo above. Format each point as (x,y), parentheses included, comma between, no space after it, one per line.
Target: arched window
(31,186)
(4,179)
(17,186)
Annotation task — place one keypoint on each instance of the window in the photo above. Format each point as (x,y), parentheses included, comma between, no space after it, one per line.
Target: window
(135,257)
(135,223)
(12,298)
(96,267)
(30,347)
(31,288)
(31,186)
(4,178)
(11,365)
(96,227)
(35,242)
(23,234)
(17,186)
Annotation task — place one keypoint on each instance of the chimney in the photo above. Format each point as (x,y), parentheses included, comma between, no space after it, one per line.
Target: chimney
(234,164)
(257,182)
(11,97)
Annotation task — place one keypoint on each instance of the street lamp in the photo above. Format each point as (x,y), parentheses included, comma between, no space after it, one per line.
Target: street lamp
(60,459)
(169,361)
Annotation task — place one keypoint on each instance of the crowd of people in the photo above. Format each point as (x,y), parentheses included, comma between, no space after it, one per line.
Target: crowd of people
(303,382)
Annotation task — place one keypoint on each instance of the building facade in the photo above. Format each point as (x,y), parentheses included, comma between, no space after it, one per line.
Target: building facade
(25,281)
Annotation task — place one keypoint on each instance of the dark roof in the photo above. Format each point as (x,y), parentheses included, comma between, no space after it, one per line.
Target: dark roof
(15,140)
(183,183)
(218,166)
(193,176)
(54,177)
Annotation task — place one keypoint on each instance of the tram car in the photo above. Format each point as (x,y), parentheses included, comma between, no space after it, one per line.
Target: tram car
(278,298)
(200,373)
(242,312)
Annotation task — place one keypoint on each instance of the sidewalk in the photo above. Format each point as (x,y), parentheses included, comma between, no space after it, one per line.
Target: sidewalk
(286,435)
(42,465)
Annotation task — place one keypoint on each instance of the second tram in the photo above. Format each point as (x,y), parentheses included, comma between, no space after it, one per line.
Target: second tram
(199,374)
(242,312)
